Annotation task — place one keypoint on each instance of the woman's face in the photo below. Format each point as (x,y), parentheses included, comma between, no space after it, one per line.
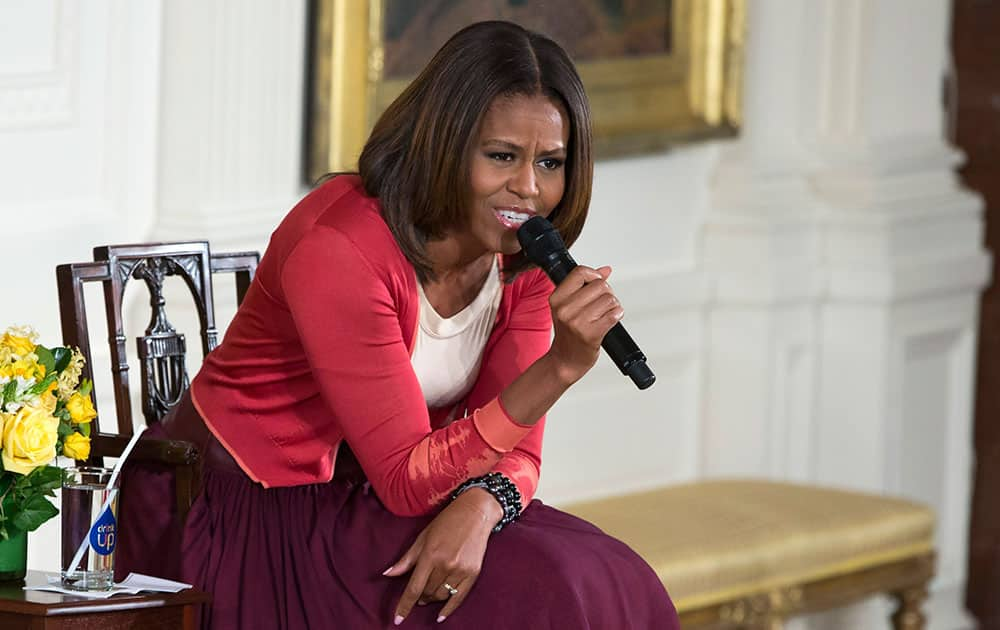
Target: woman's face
(517,171)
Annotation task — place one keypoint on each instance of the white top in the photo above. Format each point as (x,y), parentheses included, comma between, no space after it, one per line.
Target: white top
(448,351)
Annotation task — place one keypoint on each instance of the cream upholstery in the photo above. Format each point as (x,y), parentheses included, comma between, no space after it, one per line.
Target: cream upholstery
(715,541)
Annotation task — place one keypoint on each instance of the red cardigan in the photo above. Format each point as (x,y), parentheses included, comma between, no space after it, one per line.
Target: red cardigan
(319,352)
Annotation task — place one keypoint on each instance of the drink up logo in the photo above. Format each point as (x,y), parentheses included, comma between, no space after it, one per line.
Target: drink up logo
(103,533)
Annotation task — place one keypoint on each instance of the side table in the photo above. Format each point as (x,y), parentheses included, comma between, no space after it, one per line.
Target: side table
(41,610)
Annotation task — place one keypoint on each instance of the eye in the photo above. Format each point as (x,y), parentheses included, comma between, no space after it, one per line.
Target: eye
(501,156)
(551,164)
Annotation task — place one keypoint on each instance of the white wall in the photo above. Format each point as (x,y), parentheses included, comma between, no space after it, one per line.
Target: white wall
(807,294)
(79,96)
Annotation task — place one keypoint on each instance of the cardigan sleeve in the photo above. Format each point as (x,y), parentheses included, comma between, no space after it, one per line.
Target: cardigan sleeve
(527,337)
(346,318)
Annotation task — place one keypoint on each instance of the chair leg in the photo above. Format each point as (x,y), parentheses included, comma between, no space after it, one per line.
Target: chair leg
(908,615)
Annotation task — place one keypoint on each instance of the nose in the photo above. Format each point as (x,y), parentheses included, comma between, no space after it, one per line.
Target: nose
(523,182)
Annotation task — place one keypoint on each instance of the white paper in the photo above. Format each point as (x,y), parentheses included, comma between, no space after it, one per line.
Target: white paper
(150,583)
(133,584)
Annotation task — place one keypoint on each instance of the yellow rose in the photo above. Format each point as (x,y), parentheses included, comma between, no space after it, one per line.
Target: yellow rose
(76,446)
(29,440)
(81,410)
(19,345)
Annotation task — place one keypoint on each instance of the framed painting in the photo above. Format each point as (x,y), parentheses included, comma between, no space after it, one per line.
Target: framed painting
(656,72)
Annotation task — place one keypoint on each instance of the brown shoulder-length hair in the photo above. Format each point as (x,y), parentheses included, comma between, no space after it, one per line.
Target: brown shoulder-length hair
(416,159)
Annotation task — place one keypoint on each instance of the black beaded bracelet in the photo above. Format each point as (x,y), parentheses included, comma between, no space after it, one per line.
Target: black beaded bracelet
(502,489)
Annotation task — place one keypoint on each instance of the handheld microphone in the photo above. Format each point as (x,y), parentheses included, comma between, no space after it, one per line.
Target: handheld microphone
(543,245)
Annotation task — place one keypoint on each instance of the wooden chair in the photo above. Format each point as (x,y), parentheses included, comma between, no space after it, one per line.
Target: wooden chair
(161,350)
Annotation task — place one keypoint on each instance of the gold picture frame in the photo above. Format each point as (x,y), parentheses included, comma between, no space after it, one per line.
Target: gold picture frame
(640,104)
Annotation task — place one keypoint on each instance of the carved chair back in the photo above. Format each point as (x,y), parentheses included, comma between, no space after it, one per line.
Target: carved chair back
(162,349)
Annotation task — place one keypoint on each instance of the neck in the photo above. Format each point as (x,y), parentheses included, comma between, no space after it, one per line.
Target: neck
(458,278)
(449,257)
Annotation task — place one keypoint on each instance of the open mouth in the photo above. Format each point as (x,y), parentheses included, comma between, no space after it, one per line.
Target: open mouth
(512,219)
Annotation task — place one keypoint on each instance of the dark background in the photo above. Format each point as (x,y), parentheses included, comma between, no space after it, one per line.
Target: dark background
(975,109)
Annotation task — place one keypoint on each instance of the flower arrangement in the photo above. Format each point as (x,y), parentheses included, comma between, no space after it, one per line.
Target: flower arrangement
(45,410)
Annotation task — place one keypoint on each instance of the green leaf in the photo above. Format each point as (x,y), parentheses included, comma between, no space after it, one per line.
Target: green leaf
(84,429)
(42,385)
(45,358)
(21,482)
(62,357)
(8,391)
(85,386)
(3,532)
(65,429)
(46,477)
(34,511)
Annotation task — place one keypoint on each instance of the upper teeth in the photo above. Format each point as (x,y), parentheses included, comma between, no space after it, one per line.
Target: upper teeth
(516,217)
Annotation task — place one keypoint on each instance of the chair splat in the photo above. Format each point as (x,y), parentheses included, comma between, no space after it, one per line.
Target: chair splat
(161,350)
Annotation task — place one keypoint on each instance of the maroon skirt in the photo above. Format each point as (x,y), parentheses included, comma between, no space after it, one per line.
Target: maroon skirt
(312,557)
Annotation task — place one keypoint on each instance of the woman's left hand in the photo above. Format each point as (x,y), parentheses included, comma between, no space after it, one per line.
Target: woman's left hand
(449,551)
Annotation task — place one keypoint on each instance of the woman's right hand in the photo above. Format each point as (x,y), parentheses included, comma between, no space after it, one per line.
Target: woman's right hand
(584,309)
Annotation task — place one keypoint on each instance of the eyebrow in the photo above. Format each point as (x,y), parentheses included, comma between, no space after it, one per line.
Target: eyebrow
(514,147)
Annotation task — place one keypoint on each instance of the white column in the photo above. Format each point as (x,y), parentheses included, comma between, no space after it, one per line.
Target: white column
(905,267)
(760,250)
(847,264)
(231,130)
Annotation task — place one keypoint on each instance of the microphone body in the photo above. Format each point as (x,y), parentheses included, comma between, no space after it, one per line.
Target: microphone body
(543,246)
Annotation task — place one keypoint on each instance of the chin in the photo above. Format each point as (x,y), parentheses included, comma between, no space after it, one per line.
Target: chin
(510,245)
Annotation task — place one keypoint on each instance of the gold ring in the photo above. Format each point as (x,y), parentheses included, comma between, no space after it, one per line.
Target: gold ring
(451,589)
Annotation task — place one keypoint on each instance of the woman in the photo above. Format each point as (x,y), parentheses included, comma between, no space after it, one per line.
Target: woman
(393,321)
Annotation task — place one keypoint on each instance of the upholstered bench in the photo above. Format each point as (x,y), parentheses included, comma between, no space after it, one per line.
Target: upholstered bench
(750,554)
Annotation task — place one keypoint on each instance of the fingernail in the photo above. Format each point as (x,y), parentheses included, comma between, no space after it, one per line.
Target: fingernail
(441,618)
(398,620)
(386,572)
(421,603)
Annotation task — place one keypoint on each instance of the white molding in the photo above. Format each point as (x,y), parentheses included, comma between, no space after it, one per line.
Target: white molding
(793,418)
(890,246)
(933,346)
(931,278)
(47,98)
(866,157)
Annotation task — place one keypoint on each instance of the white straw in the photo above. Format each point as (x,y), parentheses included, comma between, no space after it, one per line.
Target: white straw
(107,502)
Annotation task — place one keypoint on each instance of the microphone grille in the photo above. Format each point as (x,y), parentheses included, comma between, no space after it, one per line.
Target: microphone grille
(539,239)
